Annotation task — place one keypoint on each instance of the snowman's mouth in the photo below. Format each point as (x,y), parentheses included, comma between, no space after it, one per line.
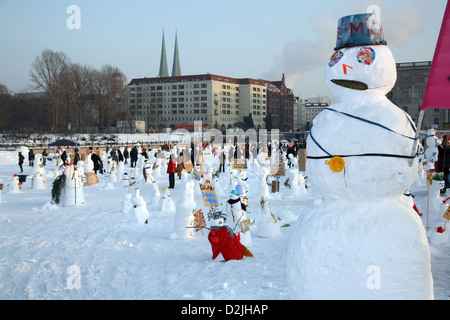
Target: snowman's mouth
(351,84)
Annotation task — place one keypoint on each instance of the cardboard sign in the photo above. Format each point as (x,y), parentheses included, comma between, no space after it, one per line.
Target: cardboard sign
(245,225)
(277,169)
(188,166)
(447,214)
(199,220)
(208,194)
(239,164)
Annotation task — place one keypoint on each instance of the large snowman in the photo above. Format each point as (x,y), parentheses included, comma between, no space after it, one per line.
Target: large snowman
(361,240)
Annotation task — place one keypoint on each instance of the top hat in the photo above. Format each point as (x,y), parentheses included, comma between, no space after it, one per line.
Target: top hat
(359,30)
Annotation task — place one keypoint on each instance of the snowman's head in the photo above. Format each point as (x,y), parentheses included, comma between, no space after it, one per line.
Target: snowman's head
(361,71)
(362,64)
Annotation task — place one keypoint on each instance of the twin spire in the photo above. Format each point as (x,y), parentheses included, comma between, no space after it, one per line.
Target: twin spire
(176,69)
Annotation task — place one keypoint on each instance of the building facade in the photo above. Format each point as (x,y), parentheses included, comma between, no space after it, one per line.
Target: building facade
(299,114)
(409,91)
(280,105)
(313,106)
(217,101)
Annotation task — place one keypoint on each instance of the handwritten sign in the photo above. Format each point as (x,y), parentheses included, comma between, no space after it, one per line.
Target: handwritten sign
(208,194)
(277,169)
(188,166)
(199,220)
(447,214)
(239,164)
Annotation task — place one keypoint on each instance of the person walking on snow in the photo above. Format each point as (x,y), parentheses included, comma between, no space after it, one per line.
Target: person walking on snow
(21,159)
(171,172)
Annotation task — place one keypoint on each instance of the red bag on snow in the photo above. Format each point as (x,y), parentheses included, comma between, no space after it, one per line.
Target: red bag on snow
(224,241)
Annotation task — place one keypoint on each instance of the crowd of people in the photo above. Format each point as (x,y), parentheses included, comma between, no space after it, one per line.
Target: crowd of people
(175,157)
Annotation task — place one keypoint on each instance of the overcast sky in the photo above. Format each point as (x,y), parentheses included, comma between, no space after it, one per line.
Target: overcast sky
(235,38)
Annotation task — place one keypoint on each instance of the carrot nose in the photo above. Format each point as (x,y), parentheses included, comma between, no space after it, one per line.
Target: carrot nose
(345,66)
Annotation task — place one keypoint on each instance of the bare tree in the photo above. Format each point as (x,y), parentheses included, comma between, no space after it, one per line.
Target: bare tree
(46,75)
(107,93)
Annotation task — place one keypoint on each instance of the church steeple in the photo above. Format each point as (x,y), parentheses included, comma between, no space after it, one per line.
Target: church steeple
(176,70)
(163,70)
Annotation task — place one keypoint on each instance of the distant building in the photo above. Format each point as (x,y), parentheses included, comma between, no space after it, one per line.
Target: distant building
(218,101)
(313,106)
(299,114)
(409,91)
(280,105)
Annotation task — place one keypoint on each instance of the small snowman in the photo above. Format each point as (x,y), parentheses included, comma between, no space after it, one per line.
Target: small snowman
(148,172)
(38,181)
(431,151)
(72,193)
(184,215)
(239,222)
(38,167)
(127,205)
(157,170)
(155,195)
(268,226)
(166,203)
(89,164)
(358,162)
(140,208)
(15,186)
(263,186)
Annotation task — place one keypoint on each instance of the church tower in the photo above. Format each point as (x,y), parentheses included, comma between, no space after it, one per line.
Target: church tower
(176,70)
(163,70)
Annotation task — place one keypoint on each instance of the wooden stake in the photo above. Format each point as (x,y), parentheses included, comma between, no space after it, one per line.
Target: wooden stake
(428,205)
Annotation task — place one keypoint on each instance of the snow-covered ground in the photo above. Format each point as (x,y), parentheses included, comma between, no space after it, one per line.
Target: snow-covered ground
(97,251)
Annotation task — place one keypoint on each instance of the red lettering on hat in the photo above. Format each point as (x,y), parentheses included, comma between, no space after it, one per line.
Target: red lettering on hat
(352,27)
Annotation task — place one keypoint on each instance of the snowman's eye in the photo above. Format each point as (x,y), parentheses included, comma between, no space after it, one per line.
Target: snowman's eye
(366,55)
(337,55)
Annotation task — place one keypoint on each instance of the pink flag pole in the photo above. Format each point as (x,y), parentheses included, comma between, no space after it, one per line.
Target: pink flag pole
(437,91)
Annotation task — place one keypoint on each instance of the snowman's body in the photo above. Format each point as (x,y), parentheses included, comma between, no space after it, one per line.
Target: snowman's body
(431,151)
(362,241)
(15,185)
(72,193)
(238,221)
(184,214)
(141,213)
(166,203)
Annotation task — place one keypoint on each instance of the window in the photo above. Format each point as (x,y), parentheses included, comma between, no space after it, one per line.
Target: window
(405,95)
(421,93)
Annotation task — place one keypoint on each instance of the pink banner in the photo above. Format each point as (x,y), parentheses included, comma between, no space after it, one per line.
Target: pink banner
(437,92)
